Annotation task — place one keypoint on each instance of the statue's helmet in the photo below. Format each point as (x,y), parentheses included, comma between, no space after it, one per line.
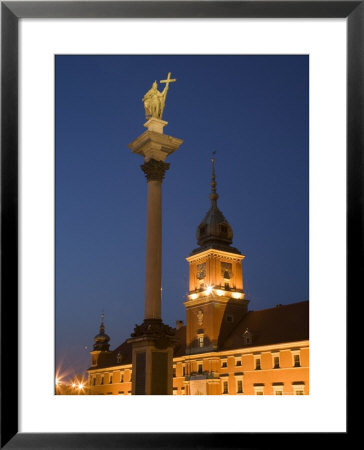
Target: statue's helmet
(155,84)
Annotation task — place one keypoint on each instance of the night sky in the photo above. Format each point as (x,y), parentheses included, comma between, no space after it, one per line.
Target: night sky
(251,110)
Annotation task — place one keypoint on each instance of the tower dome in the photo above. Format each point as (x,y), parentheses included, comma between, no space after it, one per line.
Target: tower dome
(214,230)
(102,339)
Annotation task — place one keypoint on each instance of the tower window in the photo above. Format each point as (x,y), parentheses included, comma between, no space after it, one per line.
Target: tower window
(200,341)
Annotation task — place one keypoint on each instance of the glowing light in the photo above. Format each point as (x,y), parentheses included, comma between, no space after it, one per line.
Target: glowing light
(194,296)
(237,295)
(57,381)
(73,385)
(80,386)
(219,292)
(208,290)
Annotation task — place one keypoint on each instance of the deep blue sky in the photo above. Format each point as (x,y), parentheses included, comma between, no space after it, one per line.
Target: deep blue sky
(252,110)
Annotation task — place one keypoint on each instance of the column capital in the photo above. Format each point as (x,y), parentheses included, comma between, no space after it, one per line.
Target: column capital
(154,170)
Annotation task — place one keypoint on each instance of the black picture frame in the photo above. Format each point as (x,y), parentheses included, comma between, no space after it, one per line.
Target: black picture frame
(11,12)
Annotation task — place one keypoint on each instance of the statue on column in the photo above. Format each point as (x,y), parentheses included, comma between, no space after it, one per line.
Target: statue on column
(154,101)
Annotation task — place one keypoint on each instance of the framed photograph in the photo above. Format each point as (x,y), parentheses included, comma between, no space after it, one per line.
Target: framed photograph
(269,108)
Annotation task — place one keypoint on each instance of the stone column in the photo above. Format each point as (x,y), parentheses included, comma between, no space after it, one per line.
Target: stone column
(154,172)
(153,341)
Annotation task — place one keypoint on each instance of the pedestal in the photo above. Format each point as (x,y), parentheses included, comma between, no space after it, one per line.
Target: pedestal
(152,358)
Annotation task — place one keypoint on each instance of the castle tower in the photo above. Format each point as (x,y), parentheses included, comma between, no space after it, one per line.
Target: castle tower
(216,299)
(101,344)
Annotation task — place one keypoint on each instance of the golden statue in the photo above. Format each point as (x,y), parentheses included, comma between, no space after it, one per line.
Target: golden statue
(154,101)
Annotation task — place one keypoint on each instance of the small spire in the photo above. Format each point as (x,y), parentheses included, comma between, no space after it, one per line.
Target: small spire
(214,195)
(102,326)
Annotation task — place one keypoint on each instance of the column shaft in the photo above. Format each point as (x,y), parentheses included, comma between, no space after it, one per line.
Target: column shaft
(153,267)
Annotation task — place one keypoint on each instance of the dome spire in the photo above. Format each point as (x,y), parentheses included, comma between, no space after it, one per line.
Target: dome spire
(102,326)
(214,231)
(214,195)
(102,340)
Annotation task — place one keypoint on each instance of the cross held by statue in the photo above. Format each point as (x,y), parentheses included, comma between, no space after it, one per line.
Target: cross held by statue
(168,80)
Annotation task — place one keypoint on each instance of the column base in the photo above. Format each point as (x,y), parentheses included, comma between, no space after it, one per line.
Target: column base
(152,358)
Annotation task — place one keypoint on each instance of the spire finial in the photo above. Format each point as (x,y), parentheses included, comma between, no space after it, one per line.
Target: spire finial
(213,196)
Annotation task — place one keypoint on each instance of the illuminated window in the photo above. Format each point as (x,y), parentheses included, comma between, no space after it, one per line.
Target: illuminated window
(225,387)
(278,388)
(200,341)
(298,388)
(259,389)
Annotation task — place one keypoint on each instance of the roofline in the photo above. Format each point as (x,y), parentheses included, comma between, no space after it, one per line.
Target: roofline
(222,253)
(220,353)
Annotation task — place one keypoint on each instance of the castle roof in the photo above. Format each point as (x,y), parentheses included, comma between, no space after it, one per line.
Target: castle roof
(278,325)
(283,323)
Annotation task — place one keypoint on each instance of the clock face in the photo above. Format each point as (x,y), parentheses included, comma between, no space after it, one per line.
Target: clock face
(226,269)
(201,271)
